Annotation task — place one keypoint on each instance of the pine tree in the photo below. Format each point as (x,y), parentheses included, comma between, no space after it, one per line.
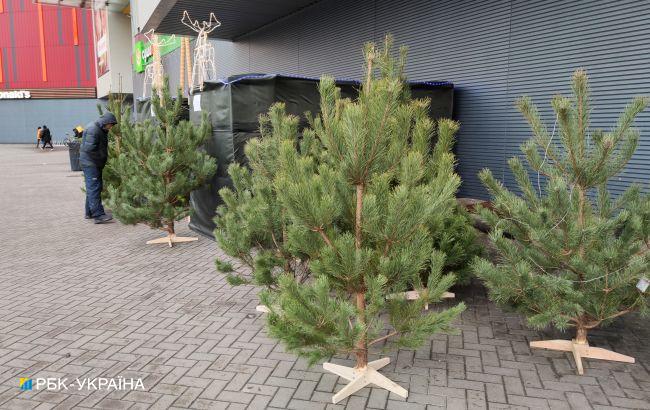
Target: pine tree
(342,217)
(159,164)
(118,106)
(576,253)
(252,224)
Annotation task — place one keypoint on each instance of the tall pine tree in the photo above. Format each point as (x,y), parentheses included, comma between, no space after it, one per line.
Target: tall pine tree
(252,223)
(160,163)
(342,216)
(118,106)
(576,254)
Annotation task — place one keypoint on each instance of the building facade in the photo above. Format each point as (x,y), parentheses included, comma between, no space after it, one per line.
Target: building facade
(47,69)
(493,51)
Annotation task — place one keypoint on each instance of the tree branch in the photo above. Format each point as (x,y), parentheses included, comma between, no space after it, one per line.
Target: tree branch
(391,334)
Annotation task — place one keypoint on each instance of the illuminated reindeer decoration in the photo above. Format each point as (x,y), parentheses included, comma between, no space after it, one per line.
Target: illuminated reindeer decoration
(204,67)
(154,72)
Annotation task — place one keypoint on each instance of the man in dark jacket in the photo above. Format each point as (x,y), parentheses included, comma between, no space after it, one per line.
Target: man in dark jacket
(93,155)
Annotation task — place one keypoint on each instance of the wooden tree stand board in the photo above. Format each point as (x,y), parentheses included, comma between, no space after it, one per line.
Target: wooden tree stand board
(414,295)
(262,308)
(581,350)
(360,378)
(172,239)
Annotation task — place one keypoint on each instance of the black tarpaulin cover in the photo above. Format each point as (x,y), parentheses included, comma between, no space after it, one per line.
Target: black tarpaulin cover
(235,104)
(144,111)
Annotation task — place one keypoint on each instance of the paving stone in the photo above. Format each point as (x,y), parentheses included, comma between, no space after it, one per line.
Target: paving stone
(236,397)
(577,400)
(377,398)
(466,384)
(545,394)
(630,403)
(305,405)
(401,405)
(533,403)
(427,399)
(531,379)
(495,393)
(455,403)
(476,400)
(501,406)
(305,390)
(560,405)
(610,387)
(562,386)
(356,403)
(282,397)
(625,380)
(259,403)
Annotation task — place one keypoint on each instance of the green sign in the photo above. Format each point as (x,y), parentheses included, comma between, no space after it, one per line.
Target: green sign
(143,55)
(138,61)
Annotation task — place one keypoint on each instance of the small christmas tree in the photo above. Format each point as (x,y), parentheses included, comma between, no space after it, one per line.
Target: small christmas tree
(159,165)
(342,217)
(576,254)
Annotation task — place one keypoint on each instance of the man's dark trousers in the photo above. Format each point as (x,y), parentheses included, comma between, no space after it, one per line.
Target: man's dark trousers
(94,186)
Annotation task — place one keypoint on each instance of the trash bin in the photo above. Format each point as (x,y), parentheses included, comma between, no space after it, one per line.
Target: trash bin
(73,150)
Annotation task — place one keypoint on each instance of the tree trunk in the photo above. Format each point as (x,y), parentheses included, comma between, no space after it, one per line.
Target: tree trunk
(581,335)
(170,227)
(581,224)
(362,344)
(357,219)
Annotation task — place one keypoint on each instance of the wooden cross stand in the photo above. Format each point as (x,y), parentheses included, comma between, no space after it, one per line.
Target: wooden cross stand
(581,349)
(172,239)
(414,295)
(360,378)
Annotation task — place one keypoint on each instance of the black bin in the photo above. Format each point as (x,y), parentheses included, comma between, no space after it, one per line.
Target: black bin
(73,150)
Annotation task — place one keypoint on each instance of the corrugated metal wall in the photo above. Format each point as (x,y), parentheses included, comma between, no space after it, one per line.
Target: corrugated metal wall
(492,50)
(20,118)
(611,39)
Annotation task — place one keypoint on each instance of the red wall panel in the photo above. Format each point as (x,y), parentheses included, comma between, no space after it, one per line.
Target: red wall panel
(67,65)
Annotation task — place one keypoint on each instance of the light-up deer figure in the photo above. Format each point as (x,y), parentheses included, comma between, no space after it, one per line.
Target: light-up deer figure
(204,66)
(154,72)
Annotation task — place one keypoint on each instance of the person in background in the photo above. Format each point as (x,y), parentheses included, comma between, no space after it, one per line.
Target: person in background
(46,137)
(77,131)
(38,137)
(93,155)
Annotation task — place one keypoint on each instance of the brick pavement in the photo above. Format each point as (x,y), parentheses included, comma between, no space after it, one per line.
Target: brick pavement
(80,300)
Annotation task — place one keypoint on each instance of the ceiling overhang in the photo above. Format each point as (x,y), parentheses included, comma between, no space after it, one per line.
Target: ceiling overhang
(237,17)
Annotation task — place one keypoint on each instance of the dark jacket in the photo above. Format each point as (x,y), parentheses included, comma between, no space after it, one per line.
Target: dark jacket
(46,135)
(94,144)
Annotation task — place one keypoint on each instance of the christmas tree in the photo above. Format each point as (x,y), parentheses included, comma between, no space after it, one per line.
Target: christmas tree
(122,111)
(342,217)
(571,254)
(252,224)
(159,164)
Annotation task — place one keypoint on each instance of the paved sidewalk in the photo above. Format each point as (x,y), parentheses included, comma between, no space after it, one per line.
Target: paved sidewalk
(84,300)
